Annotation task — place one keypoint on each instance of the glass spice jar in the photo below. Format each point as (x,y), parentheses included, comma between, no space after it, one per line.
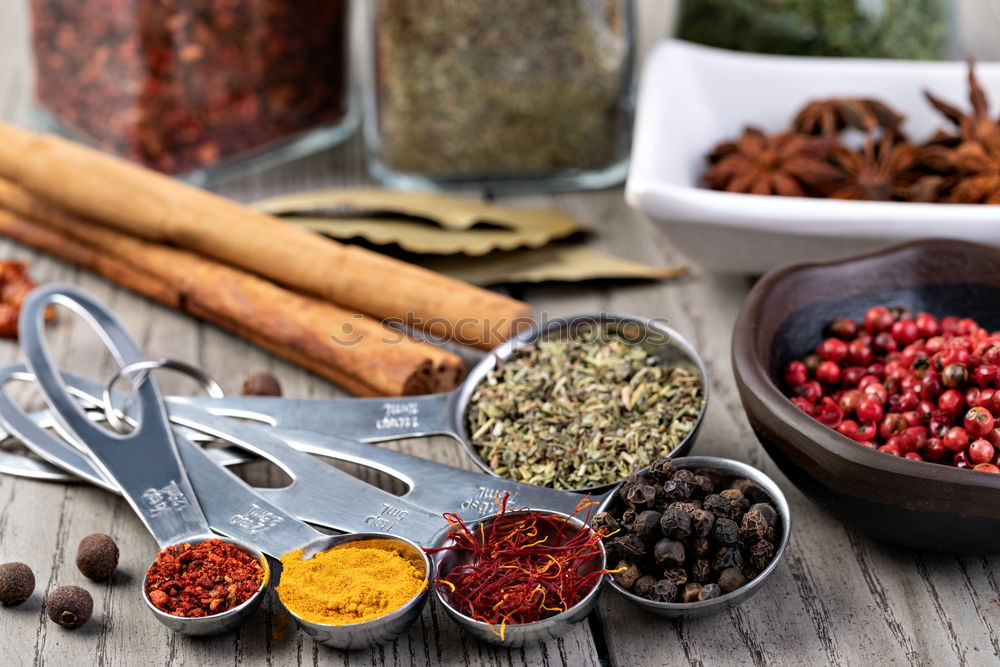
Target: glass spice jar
(196,88)
(508,95)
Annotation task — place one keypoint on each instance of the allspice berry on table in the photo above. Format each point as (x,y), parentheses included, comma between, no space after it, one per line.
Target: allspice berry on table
(69,606)
(97,557)
(17,583)
(261,384)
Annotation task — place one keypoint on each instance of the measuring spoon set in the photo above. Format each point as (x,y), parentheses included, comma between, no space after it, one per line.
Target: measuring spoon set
(183,492)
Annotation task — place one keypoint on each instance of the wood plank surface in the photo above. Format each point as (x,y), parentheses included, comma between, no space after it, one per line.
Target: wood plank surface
(837,598)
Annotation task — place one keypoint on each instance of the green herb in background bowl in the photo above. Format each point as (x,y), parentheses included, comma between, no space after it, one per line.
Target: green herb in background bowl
(910,29)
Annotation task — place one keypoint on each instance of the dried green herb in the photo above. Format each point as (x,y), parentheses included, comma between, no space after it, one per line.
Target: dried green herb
(913,29)
(582,411)
(481,88)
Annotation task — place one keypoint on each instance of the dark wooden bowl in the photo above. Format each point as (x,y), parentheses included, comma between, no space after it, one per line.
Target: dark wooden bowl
(913,503)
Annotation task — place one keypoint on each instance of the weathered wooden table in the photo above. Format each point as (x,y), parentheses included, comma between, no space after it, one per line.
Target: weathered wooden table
(837,597)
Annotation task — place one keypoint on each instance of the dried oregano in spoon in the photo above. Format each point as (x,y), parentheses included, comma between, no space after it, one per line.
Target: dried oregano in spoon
(583,411)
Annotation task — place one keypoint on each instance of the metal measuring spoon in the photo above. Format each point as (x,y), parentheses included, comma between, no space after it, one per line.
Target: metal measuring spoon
(319,494)
(22,465)
(232,508)
(236,510)
(434,487)
(274,531)
(143,464)
(524,633)
(383,419)
(19,465)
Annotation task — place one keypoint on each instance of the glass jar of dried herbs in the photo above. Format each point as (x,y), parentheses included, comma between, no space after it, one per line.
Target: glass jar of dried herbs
(195,89)
(513,95)
(912,29)
(583,409)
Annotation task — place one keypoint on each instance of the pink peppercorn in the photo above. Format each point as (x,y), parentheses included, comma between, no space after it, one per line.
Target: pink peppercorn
(980,451)
(978,421)
(909,385)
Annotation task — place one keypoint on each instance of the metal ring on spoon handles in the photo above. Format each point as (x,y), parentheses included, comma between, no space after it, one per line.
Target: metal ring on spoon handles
(142,368)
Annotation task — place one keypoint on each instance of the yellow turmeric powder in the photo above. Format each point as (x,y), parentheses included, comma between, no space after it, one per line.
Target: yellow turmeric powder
(349,584)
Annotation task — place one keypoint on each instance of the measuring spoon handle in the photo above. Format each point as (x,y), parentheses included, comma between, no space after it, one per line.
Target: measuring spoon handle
(235,510)
(231,507)
(365,419)
(435,486)
(144,464)
(319,494)
(53,449)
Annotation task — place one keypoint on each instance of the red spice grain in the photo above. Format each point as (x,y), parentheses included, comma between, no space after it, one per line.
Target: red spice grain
(915,386)
(522,567)
(14,288)
(180,85)
(204,579)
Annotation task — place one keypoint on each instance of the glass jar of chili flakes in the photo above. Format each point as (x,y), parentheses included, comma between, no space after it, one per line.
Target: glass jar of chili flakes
(195,88)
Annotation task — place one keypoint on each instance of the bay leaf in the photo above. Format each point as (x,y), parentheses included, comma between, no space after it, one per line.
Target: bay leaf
(560,263)
(422,238)
(425,222)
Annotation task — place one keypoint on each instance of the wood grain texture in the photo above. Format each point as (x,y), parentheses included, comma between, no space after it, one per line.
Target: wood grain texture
(838,597)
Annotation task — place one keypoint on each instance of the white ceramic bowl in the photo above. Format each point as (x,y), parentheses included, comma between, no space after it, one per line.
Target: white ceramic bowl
(693,97)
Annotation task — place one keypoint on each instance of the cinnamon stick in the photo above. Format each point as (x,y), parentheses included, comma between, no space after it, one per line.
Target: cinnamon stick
(113,192)
(357,352)
(53,243)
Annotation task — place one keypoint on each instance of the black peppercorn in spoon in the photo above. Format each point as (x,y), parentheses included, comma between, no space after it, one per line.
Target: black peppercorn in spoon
(669,552)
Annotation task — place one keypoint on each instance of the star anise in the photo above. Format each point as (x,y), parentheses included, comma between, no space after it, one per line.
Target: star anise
(830,116)
(786,163)
(879,171)
(970,161)
(979,166)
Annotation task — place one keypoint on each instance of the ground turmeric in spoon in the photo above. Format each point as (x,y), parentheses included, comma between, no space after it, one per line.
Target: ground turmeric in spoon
(357,582)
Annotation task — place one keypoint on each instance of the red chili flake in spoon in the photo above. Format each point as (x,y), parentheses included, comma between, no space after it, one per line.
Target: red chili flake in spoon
(204,579)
